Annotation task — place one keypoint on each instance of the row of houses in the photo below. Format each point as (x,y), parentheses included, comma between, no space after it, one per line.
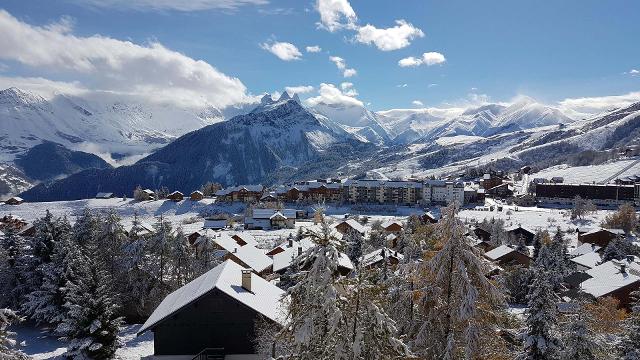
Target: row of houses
(409,192)
(599,194)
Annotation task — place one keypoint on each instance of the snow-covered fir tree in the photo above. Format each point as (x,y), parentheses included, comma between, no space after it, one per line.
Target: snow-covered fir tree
(629,348)
(316,321)
(45,304)
(455,293)
(110,242)
(540,337)
(12,247)
(373,331)
(8,345)
(579,341)
(91,324)
(86,227)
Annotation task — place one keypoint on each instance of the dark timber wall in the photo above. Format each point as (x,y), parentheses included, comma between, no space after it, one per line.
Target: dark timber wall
(214,321)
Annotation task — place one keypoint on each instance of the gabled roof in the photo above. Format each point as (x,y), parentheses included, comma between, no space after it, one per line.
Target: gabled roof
(255,258)
(388,223)
(104,195)
(499,252)
(15,198)
(590,259)
(517,227)
(197,192)
(246,237)
(602,285)
(354,225)
(264,297)
(148,191)
(380,254)
(585,249)
(214,224)
(611,231)
(229,190)
(176,193)
(268,213)
(284,259)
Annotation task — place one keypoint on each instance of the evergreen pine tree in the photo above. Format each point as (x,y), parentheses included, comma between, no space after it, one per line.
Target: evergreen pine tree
(317,324)
(579,343)
(91,326)
(540,339)
(453,286)
(12,247)
(8,344)
(86,227)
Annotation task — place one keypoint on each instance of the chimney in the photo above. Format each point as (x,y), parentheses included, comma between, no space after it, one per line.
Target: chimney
(623,268)
(290,242)
(299,250)
(246,279)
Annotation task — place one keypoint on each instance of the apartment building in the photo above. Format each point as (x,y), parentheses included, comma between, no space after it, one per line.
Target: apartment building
(443,192)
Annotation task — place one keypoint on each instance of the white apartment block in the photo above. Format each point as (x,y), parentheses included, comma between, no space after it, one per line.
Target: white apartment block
(443,192)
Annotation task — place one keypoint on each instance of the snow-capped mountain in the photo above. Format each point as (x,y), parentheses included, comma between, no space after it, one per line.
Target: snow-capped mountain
(279,140)
(108,125)
(357,120)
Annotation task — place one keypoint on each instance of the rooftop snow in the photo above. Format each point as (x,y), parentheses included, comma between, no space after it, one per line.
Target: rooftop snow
(264,297)
(498,252)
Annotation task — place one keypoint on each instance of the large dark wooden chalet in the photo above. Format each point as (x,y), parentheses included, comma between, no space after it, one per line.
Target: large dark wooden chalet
(218,310)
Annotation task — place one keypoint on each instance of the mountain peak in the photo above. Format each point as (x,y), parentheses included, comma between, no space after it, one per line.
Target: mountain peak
(266,99)
(285,96)
(16,96)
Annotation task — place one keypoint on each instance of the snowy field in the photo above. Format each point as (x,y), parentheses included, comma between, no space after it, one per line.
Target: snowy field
(41,346)
(592,173)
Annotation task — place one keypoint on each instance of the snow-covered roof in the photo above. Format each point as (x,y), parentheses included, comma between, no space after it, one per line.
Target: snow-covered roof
(590,259)
(197,192)
(378,255)
(229,190)
(613,267)
(176,193)
(215,224)
(283,260)
(255,258)
(264,297)
(148,191)
(354,225)
(498,252)
(388,223)
(268,213)
(585,249)
(612,231)
(15,198)
(516,227)
(246,237)
(104,195)
(603,285)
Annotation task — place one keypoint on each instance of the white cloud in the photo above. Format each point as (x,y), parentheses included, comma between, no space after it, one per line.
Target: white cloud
(44,87)
(178,5)
(283,50)
(313,49)
(342,65)
(392,38)
(598,104)
(107,64)
(349,73)
(303,89)
(634,72)
(330,94)
(410,62)
(432,85)
(417,103)
(333,12)
(428,58)
(402,85)
(348,89)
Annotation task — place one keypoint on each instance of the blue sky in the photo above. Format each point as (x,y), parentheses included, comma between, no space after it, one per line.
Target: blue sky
(493,50)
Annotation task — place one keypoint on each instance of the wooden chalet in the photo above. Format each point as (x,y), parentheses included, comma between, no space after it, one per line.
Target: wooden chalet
(349,225)
(105,195)
(506,255)
(243,193)
(15,200)
(516,232)
(601,237)
(214,315)
(196,195)
(176,196)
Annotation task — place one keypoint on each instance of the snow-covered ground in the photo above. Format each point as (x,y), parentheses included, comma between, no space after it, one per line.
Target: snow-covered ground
(592,173)
(41,345)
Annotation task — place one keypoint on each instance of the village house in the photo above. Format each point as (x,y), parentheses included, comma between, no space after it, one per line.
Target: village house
(501,191)
(215,224)
(270,219)
(586,261)
(615,278)
(295,252)
(490,180)
(196,196)
(242,193)
(516,232)
(217,310)
(601,237)
(379,257)
(147,194)
(392,226)
(506,255)
(246,255)
(346,226)
(176,196)
(16,223)
(15,200)
(105,195)
(429,218)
